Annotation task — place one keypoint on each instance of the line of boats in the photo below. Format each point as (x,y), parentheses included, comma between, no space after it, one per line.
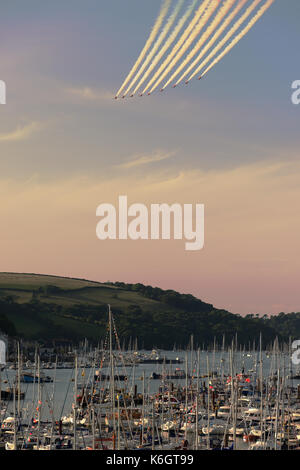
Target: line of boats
(135,358)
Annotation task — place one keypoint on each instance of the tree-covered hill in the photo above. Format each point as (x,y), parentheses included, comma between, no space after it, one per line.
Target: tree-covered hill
(45,308)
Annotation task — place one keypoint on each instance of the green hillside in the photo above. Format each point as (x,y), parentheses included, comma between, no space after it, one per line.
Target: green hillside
(45,308)
(24,288)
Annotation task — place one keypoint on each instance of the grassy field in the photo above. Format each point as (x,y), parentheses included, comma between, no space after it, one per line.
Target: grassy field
(34,281)
(74,291)
(24,288)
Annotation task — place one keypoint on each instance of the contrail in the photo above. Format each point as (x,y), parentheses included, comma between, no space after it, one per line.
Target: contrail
(180,42)
(252,22)
(196,43)
(153,34)
(216,36)
(230,33)
(168,43)
(157,44)
(201,24)
(205,36)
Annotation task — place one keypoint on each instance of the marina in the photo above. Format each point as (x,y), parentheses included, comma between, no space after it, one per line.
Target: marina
(225,398)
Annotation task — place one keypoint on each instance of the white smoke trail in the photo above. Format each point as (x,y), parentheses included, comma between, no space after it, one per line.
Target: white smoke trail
(215,37)
(163,12)
(243,33)
(201,24)
(227,36)
(157,44)
(168,43)
(179,43)
(204,37)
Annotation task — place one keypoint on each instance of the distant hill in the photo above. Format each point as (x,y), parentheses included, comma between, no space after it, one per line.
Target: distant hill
(45,308)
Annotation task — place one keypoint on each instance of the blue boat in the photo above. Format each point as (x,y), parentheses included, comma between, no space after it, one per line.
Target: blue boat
(30,379)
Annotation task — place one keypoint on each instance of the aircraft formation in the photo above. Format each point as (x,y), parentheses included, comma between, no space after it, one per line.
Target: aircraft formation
(187,40)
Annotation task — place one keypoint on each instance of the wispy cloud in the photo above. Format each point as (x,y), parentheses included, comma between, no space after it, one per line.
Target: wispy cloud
(91,94)
(147,159)
(21,133)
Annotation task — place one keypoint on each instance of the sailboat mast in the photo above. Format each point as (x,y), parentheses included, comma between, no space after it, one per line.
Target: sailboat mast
(261,386)
(75,403)
(39,404)
(15,419)
(19,381)
(112,374)
(186,394)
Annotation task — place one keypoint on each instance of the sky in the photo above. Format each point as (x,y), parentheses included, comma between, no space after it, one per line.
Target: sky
(229,141)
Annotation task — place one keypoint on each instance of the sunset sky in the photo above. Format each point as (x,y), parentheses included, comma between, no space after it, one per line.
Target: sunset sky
(230,141)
